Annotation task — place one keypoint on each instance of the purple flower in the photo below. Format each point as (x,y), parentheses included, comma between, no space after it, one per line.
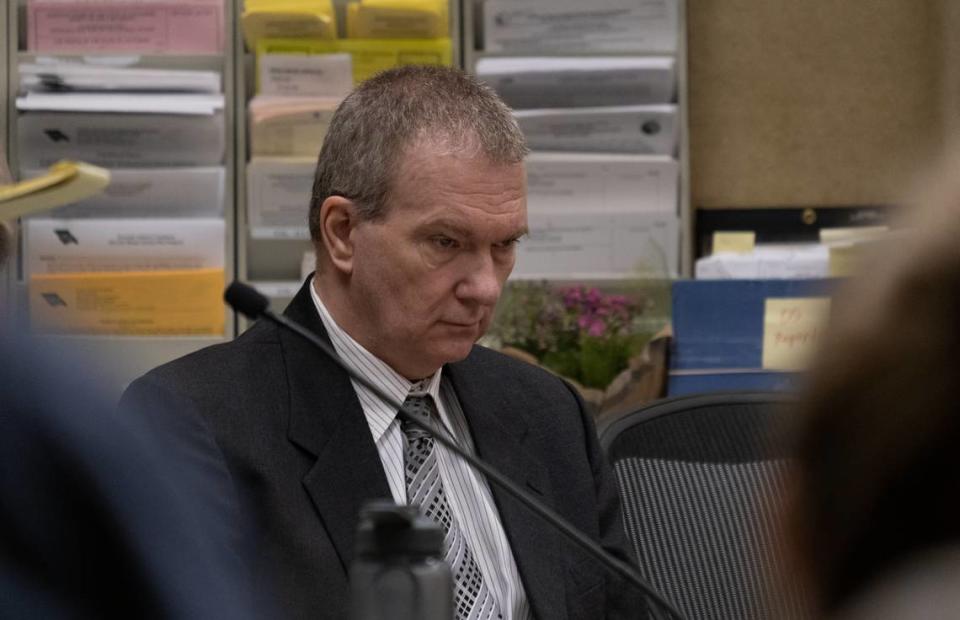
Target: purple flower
(596,328)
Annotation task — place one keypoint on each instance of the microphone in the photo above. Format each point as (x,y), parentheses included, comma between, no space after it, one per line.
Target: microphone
(251,303)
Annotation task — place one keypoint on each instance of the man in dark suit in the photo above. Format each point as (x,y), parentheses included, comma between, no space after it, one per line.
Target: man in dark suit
(418,202)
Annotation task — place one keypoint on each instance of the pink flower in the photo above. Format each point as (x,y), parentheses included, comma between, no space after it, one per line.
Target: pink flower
(596,329)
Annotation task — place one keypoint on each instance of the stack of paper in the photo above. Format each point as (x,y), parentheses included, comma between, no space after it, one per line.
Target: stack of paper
(603,130)
(643,129)
(600,215)
(121,130)
(568,26)
(572,82)
(70,77)
(142,244)
(152,192)
(278,196)
(144,26)
(397,19)
(125,276)
(150,303)
(271,19)
(162,134)
(588,183)
(289,126)
(295,75)
(369,56)
(766,262)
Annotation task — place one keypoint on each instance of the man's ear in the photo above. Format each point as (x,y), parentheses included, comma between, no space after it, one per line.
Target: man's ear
(338,218)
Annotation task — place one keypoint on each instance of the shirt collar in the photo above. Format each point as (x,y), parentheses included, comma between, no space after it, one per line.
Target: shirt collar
(375,370)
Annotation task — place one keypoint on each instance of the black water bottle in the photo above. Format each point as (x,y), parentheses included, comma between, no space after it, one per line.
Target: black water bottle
(398,572)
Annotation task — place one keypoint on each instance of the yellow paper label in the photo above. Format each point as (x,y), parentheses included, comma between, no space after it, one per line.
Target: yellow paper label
(740,242)
(792,328)
(845,260)
(369,56)
(314,20)
(408,19)
(852,233)
(180,302)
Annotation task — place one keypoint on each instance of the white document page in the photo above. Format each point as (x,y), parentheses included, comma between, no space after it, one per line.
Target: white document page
(314,75)
(572,82)
(126,103)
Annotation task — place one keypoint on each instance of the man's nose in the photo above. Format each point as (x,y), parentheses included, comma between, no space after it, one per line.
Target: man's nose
(481,282)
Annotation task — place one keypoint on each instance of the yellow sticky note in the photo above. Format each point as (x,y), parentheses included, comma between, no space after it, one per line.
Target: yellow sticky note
(739,242)
(144,303)
(852,233)
(845,260)
(792,328)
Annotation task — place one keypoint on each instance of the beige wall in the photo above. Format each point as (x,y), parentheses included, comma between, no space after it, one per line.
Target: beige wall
(816,102)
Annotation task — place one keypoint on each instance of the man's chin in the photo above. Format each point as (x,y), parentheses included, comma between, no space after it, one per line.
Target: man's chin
(455,353)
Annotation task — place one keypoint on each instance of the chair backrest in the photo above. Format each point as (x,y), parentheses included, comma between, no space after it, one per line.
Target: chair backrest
(701,479)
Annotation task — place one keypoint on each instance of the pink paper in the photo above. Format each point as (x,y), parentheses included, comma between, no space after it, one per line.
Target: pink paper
(148,27)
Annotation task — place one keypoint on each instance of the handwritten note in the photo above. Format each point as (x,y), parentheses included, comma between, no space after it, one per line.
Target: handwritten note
(738,242)
(792,328)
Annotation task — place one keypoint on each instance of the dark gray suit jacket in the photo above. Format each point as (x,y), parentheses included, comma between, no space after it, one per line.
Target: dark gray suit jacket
(282,426)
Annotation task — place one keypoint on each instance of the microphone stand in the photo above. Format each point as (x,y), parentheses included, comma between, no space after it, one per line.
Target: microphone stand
(251,303)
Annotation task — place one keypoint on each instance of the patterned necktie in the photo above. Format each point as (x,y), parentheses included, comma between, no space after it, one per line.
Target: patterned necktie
(472,598)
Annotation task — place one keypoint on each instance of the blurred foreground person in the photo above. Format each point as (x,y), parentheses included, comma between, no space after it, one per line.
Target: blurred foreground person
(876,512)
(91,524)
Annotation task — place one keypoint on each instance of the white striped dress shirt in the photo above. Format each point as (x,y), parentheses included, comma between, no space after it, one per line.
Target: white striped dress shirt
(467,491)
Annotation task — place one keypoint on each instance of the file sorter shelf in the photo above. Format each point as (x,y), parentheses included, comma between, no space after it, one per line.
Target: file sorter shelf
(121,358)
(273,264)
(472,54)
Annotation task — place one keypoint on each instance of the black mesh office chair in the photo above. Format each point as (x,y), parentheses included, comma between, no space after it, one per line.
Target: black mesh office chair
(701,479)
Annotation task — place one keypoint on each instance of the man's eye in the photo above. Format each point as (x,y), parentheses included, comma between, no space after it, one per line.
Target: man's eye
(445,243)
(509,243)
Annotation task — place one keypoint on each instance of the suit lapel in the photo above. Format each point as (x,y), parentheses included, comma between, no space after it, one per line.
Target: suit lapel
(498,425)
(327,421)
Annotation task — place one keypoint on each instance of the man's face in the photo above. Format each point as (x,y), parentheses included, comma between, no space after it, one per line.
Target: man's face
(427,275)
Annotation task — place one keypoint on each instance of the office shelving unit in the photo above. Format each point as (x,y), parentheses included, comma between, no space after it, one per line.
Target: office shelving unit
(120,358)
(473,52)
(273,264)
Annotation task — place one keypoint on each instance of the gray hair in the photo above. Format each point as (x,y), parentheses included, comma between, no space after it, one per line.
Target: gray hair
(389,113)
